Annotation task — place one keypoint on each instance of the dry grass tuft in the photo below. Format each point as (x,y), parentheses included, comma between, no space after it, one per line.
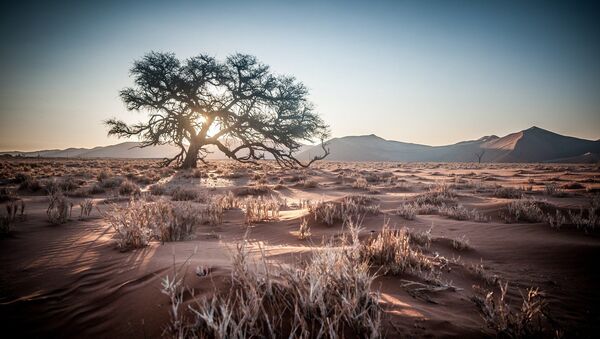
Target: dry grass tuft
(352,207)
(140,221)
(59,208)
(526,322)
(304,230)
(328,297)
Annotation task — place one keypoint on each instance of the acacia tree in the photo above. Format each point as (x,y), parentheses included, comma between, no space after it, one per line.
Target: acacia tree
(239,106)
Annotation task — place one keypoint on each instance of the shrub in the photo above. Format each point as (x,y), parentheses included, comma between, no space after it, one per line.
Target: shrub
(407,211)
(460,212)
(350,208)
(527,210)
(158,189)
(140,222)
(507,193)
(85,206)
(391,251)
(304,230)
(554,190)
(30,184)
(437,197)
(259,209)
(461,243)
(329,296)
(526,322)
(361,183)
(59,209)
(184,194)
(129,188)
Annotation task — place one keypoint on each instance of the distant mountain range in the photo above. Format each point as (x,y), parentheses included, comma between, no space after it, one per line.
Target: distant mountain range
(531,145)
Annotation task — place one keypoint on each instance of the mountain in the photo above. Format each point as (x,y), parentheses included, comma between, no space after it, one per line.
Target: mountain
(531,145)
(539,145)
(123,150)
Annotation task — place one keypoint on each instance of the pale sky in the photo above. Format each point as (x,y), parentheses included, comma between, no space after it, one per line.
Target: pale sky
(427,72)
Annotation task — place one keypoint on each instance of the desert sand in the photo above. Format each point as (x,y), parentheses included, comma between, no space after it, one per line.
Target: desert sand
(71,280)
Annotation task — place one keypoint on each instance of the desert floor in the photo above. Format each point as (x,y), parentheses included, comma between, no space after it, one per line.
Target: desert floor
(71,280)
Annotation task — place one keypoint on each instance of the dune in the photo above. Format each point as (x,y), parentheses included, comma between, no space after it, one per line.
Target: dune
(70,280)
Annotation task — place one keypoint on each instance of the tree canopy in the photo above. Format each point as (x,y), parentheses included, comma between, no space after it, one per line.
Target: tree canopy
(237,105)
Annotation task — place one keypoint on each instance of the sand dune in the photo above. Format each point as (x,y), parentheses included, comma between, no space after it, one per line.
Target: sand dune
(70,280)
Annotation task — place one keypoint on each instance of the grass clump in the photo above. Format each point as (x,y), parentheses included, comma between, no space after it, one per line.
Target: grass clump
(59,208)
(140,222)
(351,207)
(329,296)
(527,210)
(529,321)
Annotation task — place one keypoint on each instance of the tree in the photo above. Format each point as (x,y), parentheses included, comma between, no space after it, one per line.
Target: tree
(480,154)
(238,106)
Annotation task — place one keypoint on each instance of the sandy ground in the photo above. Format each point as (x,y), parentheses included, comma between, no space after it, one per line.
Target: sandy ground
(69,280)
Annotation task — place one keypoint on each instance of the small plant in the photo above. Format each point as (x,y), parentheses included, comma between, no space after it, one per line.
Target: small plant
(557,220)
(86,206)
(304,230)
(526,322)
(352,207)
(59,209)
(259,209)
(460,212)
(129,188)
(360,183)
(507,193)
(552,189)
(461,243)
(524,209)
(407,211)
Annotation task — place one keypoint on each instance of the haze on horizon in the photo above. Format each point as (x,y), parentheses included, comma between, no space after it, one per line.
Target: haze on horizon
(423,72)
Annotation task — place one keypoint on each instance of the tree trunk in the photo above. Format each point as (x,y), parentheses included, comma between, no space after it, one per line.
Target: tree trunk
(191,158)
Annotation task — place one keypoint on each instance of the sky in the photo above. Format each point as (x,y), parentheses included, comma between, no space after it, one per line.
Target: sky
(428,72)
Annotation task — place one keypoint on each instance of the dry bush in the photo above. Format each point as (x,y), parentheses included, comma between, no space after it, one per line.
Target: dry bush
(557,220)
(480,271)
(158,189)
(253,190)
(524,209)
(422,238)
(85,206)
(129,188)
(586,220)
(391,250)
(59,208)
(260,209)
(134,224)
(304,230)
(407,211)
(213,214)
(14,210)
(228,201)
(328,297)
(526,322)
(360,183)
(140,222)
(307,184)
(508,193)
(111,182)
(440,194)
(552,189)
(97,189)
(461,243)
(352,207)
(186,194)
(30,184)
(459,212)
